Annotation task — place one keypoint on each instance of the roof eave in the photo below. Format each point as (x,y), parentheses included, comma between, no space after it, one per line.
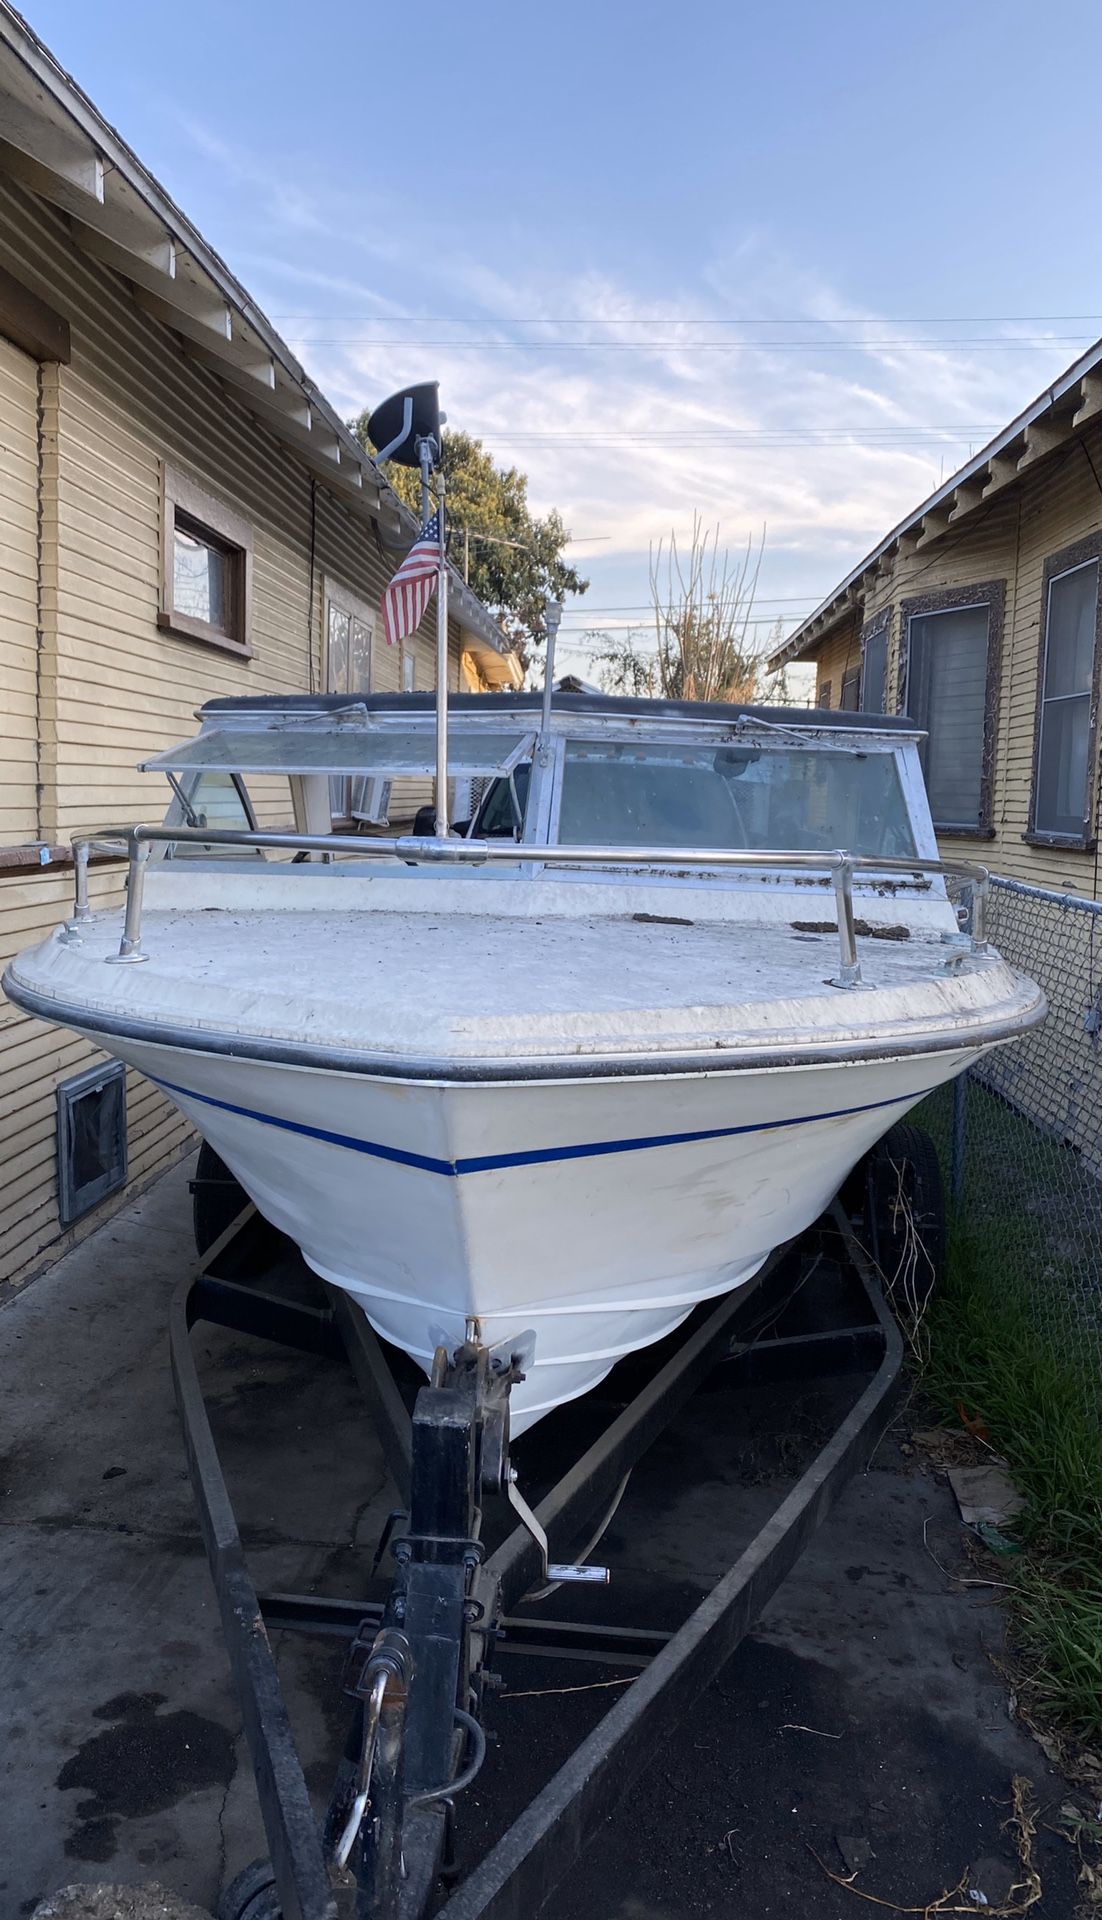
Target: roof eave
(1059,411)
(53,140)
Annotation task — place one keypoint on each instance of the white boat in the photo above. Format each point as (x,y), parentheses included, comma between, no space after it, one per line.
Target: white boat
(573,1069)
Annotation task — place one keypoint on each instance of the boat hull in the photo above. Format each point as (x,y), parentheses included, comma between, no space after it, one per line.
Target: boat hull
(594,1211)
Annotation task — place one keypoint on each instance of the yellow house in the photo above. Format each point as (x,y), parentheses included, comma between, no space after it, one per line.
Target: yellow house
(182,515)
(980,615)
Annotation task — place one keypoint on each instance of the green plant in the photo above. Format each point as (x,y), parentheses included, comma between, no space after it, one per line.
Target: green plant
(1027,1382)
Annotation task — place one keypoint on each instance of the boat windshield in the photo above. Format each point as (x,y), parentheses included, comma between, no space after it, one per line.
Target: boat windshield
(335,749)
(809,800)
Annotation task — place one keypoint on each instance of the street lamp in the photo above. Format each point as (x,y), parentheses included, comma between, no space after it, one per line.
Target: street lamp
(552,615)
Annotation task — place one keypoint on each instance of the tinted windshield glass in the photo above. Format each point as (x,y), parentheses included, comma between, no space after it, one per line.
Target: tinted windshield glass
(799,799)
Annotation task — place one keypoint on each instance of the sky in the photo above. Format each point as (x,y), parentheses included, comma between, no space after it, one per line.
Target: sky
(783,267)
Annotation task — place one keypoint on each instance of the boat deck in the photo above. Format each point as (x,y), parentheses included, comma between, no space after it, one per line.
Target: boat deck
(488,985)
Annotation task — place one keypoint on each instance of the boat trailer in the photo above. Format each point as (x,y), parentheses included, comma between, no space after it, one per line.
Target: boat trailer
(419,1672)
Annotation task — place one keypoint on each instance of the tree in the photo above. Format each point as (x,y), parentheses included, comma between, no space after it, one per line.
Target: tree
(778,691)
(703,646)
(514,559)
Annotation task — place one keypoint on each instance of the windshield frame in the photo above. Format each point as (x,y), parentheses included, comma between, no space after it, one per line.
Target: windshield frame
(546,756)
(550,770)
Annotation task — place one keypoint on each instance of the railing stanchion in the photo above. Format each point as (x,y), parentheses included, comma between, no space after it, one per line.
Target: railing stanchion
(850,971)
(130,946)
(82,912)
(81,852)
(981,895)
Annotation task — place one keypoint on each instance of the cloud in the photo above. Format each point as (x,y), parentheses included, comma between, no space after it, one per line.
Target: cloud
(830,445)
(629,414)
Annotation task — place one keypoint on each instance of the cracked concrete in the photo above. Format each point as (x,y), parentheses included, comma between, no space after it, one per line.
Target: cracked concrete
(864,1708)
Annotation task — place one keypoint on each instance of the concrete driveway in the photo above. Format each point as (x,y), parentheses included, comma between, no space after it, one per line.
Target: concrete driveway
(862,1722)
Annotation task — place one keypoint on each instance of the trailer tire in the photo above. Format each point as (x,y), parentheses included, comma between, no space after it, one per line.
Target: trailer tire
(905,1203)
(251,1894)
(216,1200)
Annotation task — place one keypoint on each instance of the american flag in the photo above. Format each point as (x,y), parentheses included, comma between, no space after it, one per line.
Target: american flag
(413,585)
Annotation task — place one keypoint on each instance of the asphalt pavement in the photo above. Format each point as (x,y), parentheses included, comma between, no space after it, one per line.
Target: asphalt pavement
(861,1730)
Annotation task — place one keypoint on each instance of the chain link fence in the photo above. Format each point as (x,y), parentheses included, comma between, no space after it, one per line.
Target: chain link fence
(1020,1134)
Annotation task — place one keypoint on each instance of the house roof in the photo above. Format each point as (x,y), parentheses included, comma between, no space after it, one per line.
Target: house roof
(53,140)
(1052,418)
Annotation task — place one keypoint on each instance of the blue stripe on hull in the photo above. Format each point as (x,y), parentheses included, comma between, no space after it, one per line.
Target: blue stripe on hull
(535,1157)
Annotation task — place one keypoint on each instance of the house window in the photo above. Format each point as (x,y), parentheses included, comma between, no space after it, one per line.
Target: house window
(202,576)
(206,586)
(1066,702)
(409,670)
(849,700)
(948,690)
(349,633)
(349,630)
(91,1139)
(874,667)
(825,691)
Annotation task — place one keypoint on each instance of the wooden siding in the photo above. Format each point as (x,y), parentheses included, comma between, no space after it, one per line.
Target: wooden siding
(34,1059)
(1054,503)
(91,683)
(840,652)
(18,593)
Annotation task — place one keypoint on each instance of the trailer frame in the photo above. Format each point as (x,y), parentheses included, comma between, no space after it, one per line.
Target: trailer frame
(452,1607)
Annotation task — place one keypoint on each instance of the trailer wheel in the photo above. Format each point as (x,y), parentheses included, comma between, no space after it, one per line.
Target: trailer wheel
(251,1894)
(907,1222)
(216,1200)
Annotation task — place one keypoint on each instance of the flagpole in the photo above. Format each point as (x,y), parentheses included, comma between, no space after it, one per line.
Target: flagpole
(427,451)
(441,795)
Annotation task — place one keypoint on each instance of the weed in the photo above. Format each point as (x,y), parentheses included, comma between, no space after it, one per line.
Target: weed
(1034,1387)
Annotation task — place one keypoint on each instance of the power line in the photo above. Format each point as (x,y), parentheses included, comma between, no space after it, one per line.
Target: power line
(875,439)
(703,320)
(760,600)
(667,433)
(750,442)
(977,344)
(631,626)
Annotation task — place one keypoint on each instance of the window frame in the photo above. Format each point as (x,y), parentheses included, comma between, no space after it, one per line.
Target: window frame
(1080,553)
(543,808)
(823,694)
(851,683)
(210,519)
(992,595)
(336,594)
(881,623)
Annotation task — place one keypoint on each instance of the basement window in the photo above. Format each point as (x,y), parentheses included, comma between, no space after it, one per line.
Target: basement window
(91,1139)
(206,585)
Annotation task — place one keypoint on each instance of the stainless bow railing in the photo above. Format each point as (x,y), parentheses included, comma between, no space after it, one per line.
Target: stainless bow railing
(135,843)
